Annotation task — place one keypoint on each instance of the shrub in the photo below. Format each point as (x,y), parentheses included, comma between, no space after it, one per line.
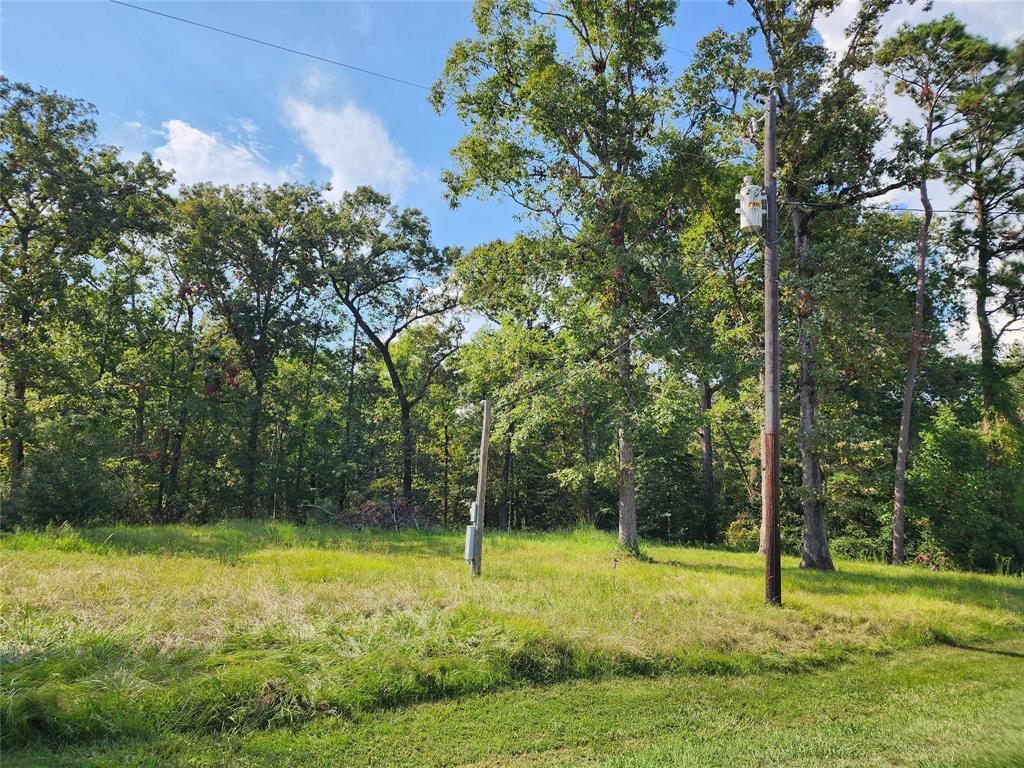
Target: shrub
(966,494)
(743,533)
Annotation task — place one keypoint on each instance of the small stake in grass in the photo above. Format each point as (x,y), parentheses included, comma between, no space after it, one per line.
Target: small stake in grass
(475,531)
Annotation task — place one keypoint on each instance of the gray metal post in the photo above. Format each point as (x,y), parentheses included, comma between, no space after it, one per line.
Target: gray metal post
(481,488)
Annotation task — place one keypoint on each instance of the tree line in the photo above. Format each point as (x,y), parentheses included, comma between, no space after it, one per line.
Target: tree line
(207,351)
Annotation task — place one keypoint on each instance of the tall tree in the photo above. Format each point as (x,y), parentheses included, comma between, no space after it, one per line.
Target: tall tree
(254,249)
(931,64)
(571,114)
(382,265)
(827,132)
(64,200)
(984,160)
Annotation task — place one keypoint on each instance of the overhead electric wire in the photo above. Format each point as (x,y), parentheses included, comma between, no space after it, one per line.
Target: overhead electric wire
(890,208)
(269,44)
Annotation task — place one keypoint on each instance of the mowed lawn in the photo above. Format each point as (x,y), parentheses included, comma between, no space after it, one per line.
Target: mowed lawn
(253,643)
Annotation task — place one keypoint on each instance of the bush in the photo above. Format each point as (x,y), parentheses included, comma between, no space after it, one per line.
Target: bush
(67,486)
(743,533)
(966,494)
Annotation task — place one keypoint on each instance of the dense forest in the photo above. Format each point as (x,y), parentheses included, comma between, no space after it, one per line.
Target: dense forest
(187,354)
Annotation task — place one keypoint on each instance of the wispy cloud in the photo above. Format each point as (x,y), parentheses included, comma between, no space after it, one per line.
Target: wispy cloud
(196,155)
(353,144)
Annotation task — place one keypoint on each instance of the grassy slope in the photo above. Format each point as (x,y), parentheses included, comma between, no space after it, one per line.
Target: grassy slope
(209,641)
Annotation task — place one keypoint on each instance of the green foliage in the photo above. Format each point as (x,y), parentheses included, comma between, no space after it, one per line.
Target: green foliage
(743,533)
(967,493)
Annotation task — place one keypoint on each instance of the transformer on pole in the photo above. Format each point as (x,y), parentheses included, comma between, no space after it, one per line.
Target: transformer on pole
(751,206)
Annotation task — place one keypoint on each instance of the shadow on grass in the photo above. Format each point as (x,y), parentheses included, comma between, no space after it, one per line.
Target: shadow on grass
(951,643)
(975,589)
(230,541)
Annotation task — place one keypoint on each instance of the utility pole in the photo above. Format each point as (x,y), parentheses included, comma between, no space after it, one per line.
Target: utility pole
(770,429)
(481,489)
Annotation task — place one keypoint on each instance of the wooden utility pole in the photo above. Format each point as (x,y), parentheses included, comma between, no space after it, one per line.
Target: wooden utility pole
(770,430)
(481,488)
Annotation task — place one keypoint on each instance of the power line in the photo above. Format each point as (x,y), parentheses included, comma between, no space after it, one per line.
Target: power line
(272,45)
(890,208)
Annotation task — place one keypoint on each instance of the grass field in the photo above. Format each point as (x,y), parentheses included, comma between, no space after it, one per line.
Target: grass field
(266,644)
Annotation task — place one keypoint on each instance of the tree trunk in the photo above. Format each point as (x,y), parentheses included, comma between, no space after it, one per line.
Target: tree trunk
(916,350)
(170,513)
(815,552)
(252,451)
(447,462)
(140,421)
(982,291)
(17,422)
(17,455)
(506,483)
(628,537)
(407,449)
(295,504)
(588,477)
(350,397)
(707,455)
(276,451)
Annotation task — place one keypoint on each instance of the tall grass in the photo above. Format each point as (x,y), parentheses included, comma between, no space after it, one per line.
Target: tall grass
(249,625)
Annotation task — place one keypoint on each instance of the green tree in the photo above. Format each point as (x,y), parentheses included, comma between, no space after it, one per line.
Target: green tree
(827,132)
(984,160)
(386,272)
(64,201)
(930,63)
(571,114)
(254,249)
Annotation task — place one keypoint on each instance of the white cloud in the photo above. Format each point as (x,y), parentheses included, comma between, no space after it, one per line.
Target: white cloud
(999,20)
(353,144)
(196,155)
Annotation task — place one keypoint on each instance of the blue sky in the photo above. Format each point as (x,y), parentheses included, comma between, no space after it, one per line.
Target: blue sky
(221,108)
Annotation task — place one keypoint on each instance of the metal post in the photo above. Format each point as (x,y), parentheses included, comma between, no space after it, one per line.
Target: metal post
(481,488)
(770,430)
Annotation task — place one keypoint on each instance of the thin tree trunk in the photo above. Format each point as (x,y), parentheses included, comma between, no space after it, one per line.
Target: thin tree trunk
(350,397)
(17,423)
(276,452)
(140,421)
(445,483)
(506,483)
(252,450)
(916,350)
(407,449)
(588,477)
(628,537)
(815,553)
(707,455)
(307,397)
(170,513)
(17,454)
(983,289)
